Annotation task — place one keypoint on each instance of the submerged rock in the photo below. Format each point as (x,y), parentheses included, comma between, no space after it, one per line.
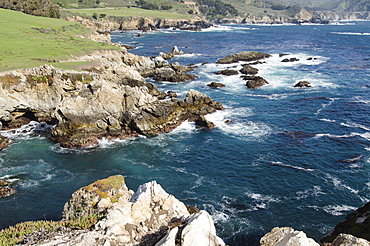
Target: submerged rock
(243,56)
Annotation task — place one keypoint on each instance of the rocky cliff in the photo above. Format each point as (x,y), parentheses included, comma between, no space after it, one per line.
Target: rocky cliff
(150,216)
(108,24)
(110,100)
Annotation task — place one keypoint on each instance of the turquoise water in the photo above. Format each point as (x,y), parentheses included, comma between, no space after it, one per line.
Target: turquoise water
(291,157)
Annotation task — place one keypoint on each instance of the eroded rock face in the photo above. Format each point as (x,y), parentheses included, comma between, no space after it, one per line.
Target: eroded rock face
(112,100)
(150,216)
(96,198)
(281,236)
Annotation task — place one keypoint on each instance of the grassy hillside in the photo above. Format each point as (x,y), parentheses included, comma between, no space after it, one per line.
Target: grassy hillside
(28,41)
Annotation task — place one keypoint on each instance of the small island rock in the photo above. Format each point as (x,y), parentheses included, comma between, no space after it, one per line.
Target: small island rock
(216,85)
(303,84)
(243,56)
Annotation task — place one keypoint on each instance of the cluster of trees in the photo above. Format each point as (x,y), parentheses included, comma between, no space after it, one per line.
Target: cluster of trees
(291,9)
(216,8)
(151,6)
(33,7)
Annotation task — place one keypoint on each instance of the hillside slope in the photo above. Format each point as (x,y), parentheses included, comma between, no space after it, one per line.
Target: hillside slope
(29,41)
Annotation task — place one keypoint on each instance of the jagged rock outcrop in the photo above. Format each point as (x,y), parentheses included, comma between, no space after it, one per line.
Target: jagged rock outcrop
(249,70)
(201,121)
(150,216)
(253,82)
(112,100)
(356,223)
(286,236)
(96,198)
(243,56)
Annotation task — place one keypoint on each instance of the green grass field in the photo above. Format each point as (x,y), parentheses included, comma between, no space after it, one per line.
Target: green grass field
(128,12)
(29,41)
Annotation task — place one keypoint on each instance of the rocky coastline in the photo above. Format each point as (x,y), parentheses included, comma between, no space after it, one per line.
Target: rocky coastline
(107,213)
(109,100)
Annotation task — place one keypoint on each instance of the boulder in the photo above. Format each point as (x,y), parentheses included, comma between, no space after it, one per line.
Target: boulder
(180,68)
(196,233)
(253,82)
(286,236)
(227,72)
(243,56)
(171,75)
(4,142)
(175,51)
(96,198)
(201,121)
(303,84)
(356,223)
(216,85)
(7,185)
(349,240)
(293,59)
(249,70)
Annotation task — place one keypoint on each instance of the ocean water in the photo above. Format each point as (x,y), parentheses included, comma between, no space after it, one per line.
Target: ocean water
(296,157)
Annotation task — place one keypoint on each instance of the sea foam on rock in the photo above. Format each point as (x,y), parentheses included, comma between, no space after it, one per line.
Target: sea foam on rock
(150,216)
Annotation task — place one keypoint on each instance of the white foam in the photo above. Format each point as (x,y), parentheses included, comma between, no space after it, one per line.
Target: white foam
(339,185)
(242,129)
(324,105)
(365,135)
(189,55)
(315,191)
(185,127)
(32,129)
(261,201)
(352,33)
(328,120)
(278,73)
(227,28)
(355,125)
(278,163)
(338,210)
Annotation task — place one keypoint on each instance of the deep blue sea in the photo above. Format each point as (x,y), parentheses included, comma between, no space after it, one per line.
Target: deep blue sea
(296,157)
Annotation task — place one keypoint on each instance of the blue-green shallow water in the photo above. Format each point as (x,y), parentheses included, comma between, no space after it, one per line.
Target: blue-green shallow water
(283,161)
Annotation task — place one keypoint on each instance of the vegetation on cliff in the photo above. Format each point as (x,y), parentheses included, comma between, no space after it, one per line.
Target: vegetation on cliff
(29,41)
(44,8)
